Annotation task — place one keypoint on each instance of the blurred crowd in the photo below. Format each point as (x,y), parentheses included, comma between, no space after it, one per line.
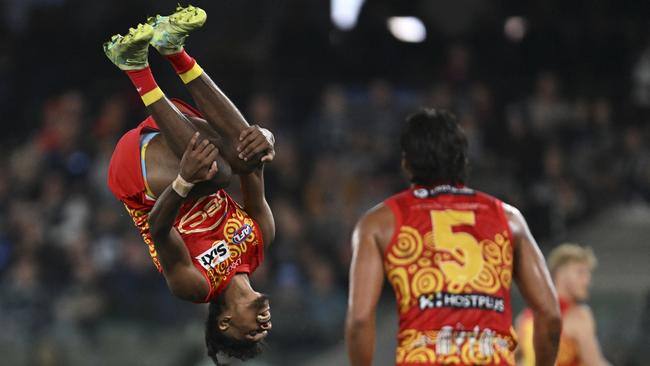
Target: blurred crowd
(70,258)
(71,261)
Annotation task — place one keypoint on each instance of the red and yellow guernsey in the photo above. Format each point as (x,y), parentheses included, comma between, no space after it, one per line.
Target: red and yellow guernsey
(567,353)
(450,265)
(222,239)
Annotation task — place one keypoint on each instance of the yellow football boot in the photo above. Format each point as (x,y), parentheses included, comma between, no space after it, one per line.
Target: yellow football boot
(130,52)
(171,31)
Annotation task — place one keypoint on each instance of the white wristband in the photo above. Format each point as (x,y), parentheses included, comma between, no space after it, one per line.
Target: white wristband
(181,186)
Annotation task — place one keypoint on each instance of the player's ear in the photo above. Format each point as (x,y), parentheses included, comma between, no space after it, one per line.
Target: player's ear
(405,165)
(224,323)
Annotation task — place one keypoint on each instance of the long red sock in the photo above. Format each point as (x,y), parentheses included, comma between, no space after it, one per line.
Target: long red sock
(146,85)
(185,66)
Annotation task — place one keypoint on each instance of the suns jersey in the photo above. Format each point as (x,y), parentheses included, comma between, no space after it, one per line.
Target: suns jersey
(567,353)
(450,265)
(222,239)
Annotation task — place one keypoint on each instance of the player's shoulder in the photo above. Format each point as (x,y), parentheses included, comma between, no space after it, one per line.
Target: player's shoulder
(511,211)
(485,197)
(577,319)
(395,204)
(515,218)
(401,195)
(376,215)
(378,223)
(515,221)
(580,313)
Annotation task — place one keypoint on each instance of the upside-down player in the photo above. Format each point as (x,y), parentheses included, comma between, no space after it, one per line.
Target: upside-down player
(171,182)
(450,254)
(571,266)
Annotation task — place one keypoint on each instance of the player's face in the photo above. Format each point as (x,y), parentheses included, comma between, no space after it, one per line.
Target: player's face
(251,320)
(578,275)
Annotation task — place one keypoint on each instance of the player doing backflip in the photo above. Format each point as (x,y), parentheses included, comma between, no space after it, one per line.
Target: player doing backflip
(170,172)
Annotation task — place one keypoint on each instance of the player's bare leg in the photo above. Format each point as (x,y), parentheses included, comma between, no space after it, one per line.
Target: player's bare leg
(130,54)
(169,37)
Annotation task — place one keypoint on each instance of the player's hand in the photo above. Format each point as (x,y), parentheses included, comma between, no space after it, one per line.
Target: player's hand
(255,140)
(199,162)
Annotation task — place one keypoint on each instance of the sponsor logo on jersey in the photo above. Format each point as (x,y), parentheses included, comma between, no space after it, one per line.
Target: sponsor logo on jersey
(215,255)
(234,265)
(205,215)
(487,339)
(242,233)
(421,193)
(444,189)
(461,301)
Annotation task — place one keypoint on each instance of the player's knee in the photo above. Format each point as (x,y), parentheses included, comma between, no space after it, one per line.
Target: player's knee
(246,167)
(223,176)
(219,181)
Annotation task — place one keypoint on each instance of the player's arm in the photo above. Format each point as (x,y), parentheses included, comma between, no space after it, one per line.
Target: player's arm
(534,282)
(366,280)
(253,141)
(184,280)
(585,336)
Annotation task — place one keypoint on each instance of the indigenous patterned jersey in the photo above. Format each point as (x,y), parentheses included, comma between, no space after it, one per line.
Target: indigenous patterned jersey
(567,353)
(221,238)
(450,265)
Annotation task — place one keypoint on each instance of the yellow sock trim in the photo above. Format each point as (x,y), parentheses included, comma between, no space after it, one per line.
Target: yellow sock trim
(191,74)
(152,96)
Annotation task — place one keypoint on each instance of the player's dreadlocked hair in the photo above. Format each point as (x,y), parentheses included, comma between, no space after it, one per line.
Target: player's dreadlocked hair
(435,148)
(217,342)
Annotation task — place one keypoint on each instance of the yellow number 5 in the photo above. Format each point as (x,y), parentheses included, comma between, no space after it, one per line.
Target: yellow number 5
(467,256)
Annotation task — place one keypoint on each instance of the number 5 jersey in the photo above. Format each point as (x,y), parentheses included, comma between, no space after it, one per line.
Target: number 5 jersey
(450,264)
(221,238)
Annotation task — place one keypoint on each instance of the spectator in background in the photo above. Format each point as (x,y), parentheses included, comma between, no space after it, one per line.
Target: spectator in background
(329,130)
(325,302)
(547,110)
(634,162)
(641,80)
